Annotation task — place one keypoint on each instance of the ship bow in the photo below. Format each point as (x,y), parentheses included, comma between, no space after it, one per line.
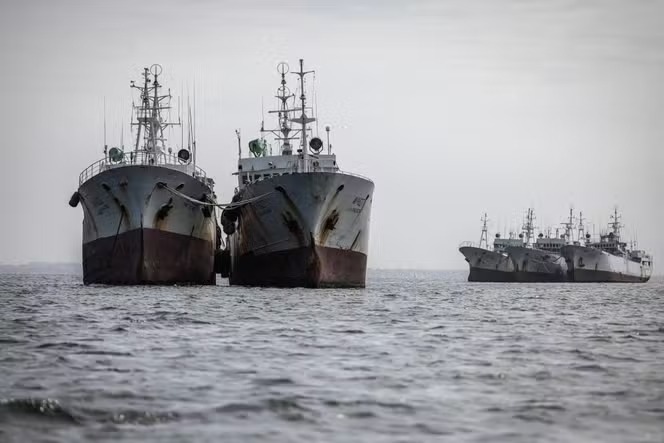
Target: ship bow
(307,230)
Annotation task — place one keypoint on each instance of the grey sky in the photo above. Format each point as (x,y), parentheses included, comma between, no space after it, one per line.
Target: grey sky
(452,107)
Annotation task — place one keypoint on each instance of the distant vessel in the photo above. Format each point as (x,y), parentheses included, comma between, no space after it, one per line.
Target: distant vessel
(608,260)
(541,261)
(140,225)
(308,223)
(487,265)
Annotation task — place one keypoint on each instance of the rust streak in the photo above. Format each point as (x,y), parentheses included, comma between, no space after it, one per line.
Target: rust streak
(329,226)
(356,238)
(293,226)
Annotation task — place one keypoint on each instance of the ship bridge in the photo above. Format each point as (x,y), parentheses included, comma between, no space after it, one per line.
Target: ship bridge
(551,244)
(298,149)
(500,244)
(258,168)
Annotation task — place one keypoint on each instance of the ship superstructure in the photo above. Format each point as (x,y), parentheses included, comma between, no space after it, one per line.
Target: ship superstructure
(607,260)
(308,224)
(539,261)
(490,264)
(141,224)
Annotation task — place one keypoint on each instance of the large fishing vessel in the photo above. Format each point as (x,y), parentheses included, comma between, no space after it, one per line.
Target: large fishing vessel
(308,222)
(539,261)
(490,265)
(141,222)
(607,260)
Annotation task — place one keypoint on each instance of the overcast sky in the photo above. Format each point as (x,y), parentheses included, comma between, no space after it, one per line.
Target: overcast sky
(452,107)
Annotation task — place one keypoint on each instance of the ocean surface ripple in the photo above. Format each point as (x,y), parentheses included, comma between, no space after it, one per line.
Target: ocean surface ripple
(415,357)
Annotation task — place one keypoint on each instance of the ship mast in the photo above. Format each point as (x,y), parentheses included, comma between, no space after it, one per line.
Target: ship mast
(148,115)
(303,119)
(145,103)
(483,238)
(529,226)
(569,227)
(615,224)
(582,228)
(285,133)
(284,130)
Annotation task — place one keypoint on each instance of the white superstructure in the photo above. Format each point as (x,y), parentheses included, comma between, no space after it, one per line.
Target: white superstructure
(609,259)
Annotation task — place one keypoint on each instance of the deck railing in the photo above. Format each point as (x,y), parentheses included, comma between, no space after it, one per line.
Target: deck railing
(142,158)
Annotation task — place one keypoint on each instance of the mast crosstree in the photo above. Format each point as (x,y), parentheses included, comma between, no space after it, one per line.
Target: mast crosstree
(287,113)
(569,227)
(529,226)
(484,236)
(285,133)
(615,224)
(151,125)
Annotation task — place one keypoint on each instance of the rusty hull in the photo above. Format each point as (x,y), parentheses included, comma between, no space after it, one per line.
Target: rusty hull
(309,229)
(148,256)
(137,232)
(317,267)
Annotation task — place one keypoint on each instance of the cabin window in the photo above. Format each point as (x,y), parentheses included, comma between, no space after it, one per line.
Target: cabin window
(245,179)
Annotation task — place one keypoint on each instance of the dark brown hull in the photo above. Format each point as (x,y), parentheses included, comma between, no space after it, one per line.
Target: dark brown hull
(318,267)
(148,256)
(592,276)
(489,275)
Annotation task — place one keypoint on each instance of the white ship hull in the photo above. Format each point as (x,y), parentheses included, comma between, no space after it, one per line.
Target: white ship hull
(306,229)
(136,232)
(536,265)
(594,265)
(488,266)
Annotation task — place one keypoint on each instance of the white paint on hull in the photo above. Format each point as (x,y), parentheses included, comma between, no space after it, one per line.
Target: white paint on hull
(593,259)
(331,209)
(134,188)
(487,260)
(537,261)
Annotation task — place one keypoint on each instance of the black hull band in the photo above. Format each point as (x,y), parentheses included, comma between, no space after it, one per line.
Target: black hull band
(318,267)
(540,277)
(489,275)
(591,276)
(148,256)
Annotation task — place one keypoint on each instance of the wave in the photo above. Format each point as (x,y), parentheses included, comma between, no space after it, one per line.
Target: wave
(286,408)
(19,410)
(63,345)
(35,408)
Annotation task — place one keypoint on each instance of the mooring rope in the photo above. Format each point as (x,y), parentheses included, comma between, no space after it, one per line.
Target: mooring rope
(231,205)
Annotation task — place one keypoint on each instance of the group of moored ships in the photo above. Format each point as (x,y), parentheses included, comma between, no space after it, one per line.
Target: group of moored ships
(570,257)
(151,215)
